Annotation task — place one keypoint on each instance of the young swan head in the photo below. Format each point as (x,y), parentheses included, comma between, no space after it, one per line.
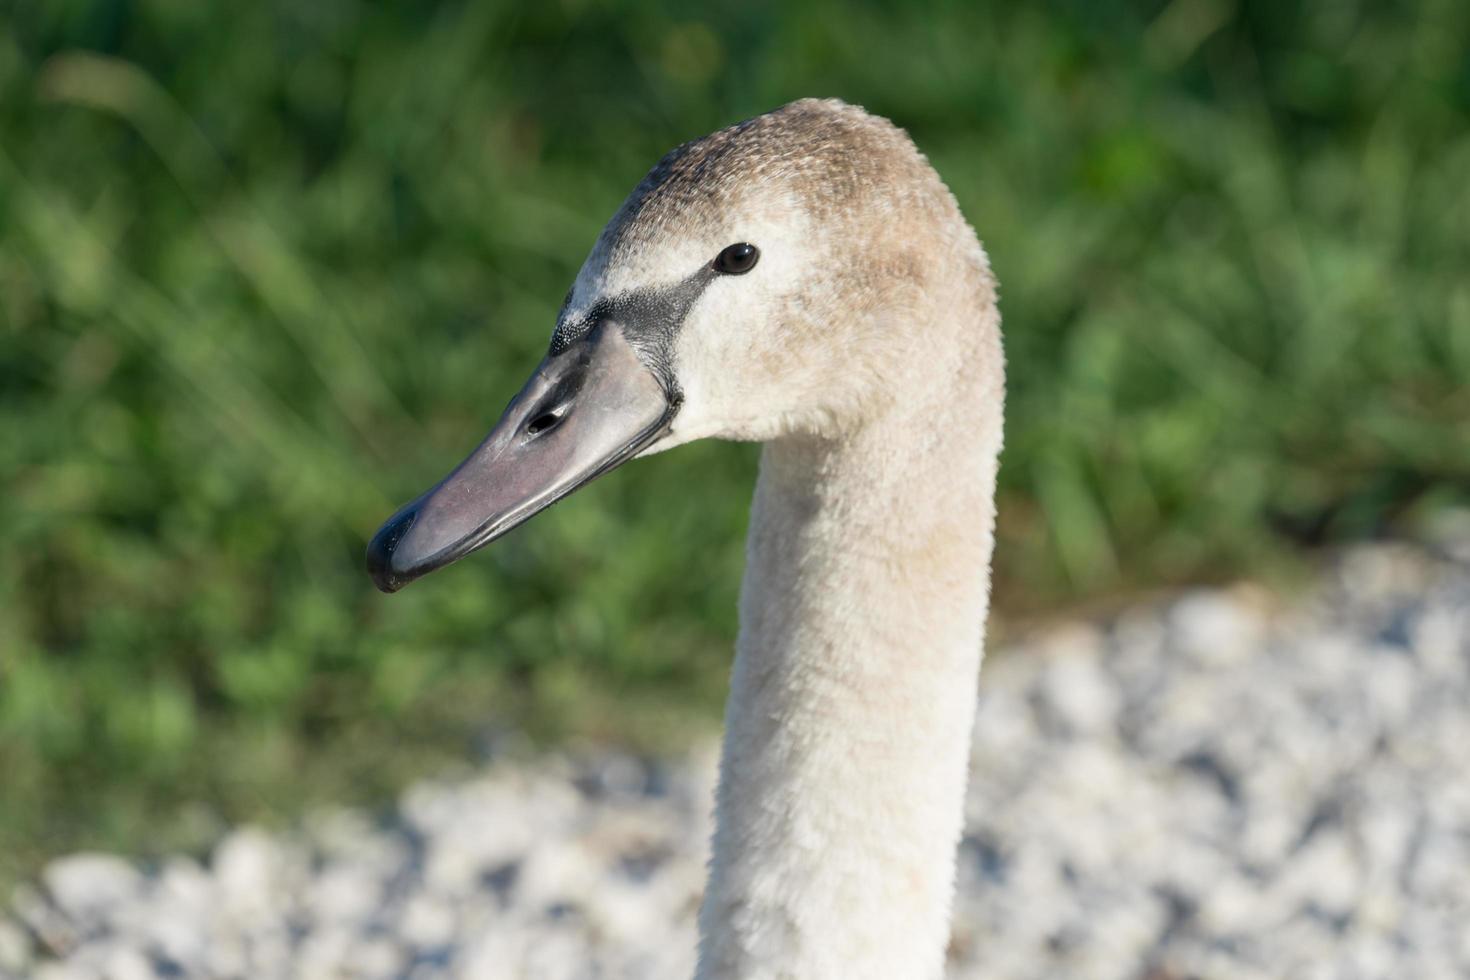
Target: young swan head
(760,282)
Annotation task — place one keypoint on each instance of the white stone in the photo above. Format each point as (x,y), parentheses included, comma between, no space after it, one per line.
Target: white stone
(64,971)
(376,958)
(323,954)
(427,921)
(15,948)
(87,886)
(124,963)
(343,893)
(248,869)
(1078,689)
(1214,627)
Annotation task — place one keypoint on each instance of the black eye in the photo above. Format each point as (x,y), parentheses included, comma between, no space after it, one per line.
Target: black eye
(737,260)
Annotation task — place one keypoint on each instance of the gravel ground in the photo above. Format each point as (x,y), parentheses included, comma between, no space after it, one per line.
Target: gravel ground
(1203,787)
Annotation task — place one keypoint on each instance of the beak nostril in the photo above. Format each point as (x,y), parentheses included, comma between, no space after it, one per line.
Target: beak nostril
(544,422)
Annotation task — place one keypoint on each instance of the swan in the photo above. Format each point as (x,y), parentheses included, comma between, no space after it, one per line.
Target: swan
(803,279)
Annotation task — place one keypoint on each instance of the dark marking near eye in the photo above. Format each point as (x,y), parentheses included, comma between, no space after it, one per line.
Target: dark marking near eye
(737,259)
(650,319)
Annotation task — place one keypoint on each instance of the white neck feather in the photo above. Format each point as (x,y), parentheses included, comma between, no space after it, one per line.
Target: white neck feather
(852,696)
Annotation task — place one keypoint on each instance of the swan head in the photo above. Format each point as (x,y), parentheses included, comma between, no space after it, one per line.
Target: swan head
(747,289)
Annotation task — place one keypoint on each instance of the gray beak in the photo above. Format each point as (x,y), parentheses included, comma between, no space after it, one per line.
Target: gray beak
(584,411)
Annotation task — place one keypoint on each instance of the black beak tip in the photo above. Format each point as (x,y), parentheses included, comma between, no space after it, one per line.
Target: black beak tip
(380,552)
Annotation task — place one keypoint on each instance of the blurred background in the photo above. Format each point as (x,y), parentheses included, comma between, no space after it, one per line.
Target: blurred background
(267,270)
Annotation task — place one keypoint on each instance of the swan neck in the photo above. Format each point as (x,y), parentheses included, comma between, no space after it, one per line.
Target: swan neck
(853,690)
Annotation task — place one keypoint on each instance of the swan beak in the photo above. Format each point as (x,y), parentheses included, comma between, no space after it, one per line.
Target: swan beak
(586,409)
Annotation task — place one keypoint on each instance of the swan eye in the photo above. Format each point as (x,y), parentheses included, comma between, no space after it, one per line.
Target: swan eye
(737,260)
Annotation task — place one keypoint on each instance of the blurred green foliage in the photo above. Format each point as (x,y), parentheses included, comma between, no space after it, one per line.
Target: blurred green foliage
(269,269)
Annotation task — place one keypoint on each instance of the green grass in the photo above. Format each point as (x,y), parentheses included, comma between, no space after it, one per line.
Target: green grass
(267,269)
